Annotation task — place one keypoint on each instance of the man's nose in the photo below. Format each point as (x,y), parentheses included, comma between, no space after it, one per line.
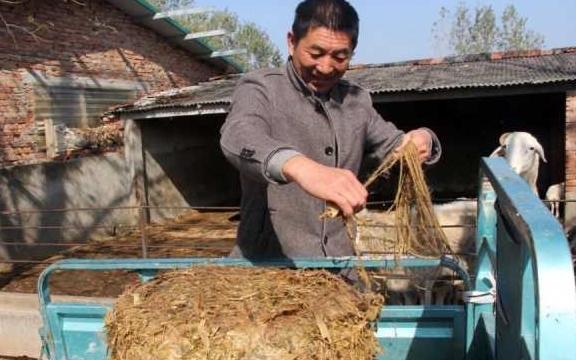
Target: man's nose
(324,66)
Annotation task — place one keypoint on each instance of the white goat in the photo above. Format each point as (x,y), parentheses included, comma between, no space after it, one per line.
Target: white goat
(554,194)
(523,152)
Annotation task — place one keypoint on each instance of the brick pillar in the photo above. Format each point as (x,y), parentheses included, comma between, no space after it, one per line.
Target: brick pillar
(570,213)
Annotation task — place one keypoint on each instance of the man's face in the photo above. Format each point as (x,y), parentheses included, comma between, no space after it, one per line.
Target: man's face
(321,57)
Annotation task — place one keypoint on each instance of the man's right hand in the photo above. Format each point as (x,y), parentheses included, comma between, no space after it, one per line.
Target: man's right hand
(338,186)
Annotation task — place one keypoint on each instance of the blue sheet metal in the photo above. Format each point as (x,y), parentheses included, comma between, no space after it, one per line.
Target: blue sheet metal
(485,269)
(75,331)
(422,332)
(535,309)
(147,267)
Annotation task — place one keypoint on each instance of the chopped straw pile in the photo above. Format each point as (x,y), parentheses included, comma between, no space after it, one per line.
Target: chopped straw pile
(211,312)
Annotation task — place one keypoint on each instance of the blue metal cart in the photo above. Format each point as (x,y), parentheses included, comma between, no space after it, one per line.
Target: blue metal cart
(521,301)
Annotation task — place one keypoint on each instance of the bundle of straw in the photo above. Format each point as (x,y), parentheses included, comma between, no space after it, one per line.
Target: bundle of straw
(417,230)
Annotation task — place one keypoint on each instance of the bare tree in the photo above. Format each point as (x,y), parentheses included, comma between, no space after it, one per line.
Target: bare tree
(32,28)
(465,31)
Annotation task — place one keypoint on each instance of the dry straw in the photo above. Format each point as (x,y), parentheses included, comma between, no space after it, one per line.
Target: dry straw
(233,313)
(417,230)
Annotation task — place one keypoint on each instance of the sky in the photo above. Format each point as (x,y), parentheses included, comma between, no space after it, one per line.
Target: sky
(396,30)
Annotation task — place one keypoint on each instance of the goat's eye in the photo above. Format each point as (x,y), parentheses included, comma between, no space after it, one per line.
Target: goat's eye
(532,148)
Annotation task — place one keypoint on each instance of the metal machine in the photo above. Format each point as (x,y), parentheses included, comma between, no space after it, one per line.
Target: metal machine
(520,300)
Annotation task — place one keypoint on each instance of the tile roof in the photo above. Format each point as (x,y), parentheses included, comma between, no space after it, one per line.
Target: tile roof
(494,70)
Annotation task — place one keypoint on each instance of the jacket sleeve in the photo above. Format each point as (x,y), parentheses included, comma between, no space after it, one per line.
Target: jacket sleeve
(436,151)
(246,139)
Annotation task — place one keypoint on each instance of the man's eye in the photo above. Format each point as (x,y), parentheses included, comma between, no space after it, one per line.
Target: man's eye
(316,55)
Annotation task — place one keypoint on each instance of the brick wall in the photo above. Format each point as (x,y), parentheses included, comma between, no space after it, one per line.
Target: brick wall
(94,41)
(570,217)
(571,142)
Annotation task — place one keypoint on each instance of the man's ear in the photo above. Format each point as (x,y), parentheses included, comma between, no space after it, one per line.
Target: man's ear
(291,44)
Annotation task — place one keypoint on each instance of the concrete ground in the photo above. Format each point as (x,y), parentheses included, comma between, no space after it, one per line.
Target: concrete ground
(19,324)
(20,321)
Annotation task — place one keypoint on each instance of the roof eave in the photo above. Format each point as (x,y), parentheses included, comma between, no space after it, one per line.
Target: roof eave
(174,111)
(472,92)
(174,32)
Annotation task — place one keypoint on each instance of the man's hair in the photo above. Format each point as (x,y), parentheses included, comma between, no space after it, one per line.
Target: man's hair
(336,15)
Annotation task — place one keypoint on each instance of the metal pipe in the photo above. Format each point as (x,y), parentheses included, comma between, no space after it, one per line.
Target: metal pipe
(199,208)
(142,219)
(182,226)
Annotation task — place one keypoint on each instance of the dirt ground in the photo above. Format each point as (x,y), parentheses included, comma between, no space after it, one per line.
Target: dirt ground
(192,234)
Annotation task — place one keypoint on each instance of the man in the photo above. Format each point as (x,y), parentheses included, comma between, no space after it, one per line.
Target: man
(297,135)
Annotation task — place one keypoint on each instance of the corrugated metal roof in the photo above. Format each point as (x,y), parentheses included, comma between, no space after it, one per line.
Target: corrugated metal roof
(216,92)
(477,71)
(143,11)
(419,76)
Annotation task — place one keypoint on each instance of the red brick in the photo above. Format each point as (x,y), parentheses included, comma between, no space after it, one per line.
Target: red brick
(570,144)
(133,53)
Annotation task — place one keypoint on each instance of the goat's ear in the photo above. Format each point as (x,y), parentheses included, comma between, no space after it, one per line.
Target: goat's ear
(540,151)
(498,152)
(503,137)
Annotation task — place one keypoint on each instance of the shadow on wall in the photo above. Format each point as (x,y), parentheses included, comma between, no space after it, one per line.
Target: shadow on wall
(123,50)
(184,164)
(32,198)
(108,44)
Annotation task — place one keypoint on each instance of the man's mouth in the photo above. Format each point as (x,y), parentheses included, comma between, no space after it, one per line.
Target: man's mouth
(323,82)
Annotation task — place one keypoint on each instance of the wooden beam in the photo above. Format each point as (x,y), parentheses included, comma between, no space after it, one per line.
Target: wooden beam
(182,12)
(136,160)
(51,139)
(205,34)
(173,112)
(223,53)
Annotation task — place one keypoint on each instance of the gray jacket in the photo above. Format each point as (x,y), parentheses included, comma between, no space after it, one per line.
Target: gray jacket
(273,116)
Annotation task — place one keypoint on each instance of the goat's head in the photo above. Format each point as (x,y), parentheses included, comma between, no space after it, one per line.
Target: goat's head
(522,152)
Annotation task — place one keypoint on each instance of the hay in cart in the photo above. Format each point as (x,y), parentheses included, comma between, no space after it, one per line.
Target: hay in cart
(210,312)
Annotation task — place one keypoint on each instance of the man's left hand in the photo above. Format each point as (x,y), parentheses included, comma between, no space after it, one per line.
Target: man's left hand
(422,139)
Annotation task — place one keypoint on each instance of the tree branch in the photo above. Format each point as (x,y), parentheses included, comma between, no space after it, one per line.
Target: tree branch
(8,27)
